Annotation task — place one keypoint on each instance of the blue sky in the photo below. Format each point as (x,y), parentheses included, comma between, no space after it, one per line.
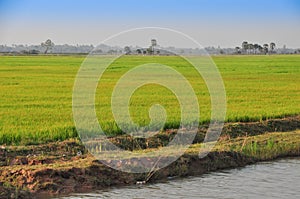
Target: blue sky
(211,22)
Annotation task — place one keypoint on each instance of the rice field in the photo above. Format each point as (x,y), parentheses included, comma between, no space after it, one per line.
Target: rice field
(36,93)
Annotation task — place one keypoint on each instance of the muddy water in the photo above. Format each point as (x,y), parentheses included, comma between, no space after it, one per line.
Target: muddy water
(279,179)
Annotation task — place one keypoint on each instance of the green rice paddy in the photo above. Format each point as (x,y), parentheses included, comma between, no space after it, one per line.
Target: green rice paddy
(36,93)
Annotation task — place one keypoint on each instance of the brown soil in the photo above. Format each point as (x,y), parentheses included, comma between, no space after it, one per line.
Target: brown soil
(86,174)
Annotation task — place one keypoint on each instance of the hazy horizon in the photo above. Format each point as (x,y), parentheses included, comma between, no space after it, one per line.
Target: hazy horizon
(212,23)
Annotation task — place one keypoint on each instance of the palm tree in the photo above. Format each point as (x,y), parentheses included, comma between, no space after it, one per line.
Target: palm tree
(48,44)
(251,47)
(255,48)
(266,48)
(260,49)
(127,50)
(272,46)
(153,44)
(245,46)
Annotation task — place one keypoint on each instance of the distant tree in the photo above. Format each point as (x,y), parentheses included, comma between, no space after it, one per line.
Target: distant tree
(272,47)
(153,45)
(24,52)
(127,50)
(34,52)
(149,50)
(260,49)
(255,48)
(237,50)
(153,42)
(245,46)
(266,48)
(251,47)
(139,51)
(284,49)
(48,44)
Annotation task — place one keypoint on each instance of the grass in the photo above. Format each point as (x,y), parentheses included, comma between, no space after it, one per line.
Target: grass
(264,147)
(36,93)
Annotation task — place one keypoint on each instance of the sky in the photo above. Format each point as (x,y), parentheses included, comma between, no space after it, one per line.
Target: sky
(224,23)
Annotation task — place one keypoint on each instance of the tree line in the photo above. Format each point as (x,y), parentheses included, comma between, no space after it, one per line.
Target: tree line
(249,48)
(48,46)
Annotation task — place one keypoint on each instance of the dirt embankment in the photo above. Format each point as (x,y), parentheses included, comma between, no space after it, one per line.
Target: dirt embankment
(66,167)
(230,130)
(46,179)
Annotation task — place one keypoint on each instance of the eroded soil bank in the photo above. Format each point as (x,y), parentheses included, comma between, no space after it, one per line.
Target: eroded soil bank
(66,167)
